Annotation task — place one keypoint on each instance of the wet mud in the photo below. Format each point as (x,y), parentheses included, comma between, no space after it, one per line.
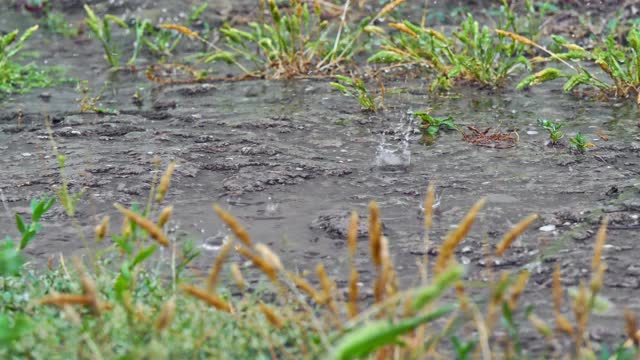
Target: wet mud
(291,159)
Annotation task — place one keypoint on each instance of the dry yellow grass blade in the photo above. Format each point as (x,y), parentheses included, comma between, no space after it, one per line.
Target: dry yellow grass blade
(166,315)
(601,238)
(404,29)
(165,181)
(165,215)
(216,268)
(542,327)
(147,225)
(181,29)
(207,297)
(528,42)
(375,233)
(429,200)
(456,236)
(233,224)
(273,318)
(516,231)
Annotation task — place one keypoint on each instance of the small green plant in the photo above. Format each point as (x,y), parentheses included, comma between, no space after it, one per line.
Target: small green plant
(579,143)
(293,41)
(553,128)
(162,42)
(101,28)
(355,87)
(16,78)
(31,229)
(474,53)
(432,125)
(56,23)
(620,63)
(92,104)
(11,258)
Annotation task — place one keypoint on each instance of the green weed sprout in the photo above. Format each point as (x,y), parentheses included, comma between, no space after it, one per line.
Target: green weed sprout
(432,125)
(19,78)
(355,87)
(101,28)
(553,128)
(580,143)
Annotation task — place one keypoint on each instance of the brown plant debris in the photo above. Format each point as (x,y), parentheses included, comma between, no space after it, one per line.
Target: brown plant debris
(493,139)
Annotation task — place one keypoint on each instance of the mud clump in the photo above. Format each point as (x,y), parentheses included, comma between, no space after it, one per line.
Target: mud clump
(335,223)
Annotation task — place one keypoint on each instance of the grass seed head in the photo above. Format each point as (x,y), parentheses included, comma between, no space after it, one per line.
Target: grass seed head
(181,29)
(352,234)
(307,288)
(375,233)
(404,28)
(631,327)
(428,206)
(166,315)
(241,283)
(236,228)
(456,236)
(207,297)
(352,305)
(216,268)
(147,225)
(269,256)
(165,215)
(389,7)
(102,229)
(599,246)
(266,267)
(165,181)
(516,231)
(273,318)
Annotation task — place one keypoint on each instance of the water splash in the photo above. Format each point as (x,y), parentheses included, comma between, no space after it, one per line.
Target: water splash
(393,153)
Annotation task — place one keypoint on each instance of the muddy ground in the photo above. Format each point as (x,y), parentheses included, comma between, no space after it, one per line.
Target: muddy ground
(291,158)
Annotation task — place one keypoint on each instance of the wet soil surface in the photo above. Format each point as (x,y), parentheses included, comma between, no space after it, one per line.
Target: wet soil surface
(291,159)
